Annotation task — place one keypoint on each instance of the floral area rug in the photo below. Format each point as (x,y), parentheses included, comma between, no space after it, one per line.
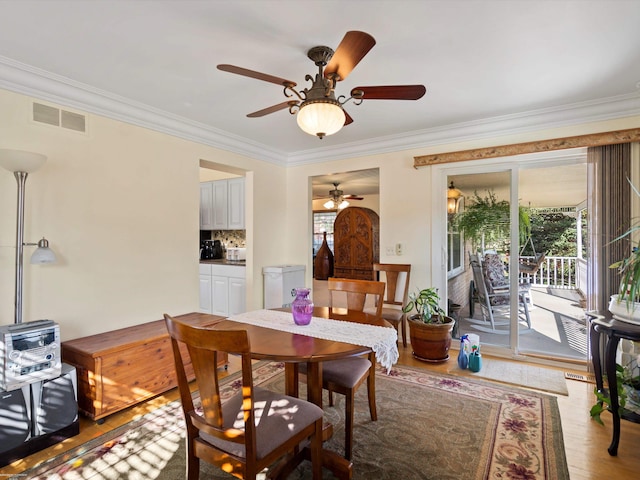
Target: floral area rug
(430,426)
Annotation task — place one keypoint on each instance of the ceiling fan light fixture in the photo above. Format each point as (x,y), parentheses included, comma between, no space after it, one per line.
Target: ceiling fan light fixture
(329,204)
(321,117)
(343,204)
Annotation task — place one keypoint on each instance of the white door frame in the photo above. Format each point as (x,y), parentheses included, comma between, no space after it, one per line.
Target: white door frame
(514,165)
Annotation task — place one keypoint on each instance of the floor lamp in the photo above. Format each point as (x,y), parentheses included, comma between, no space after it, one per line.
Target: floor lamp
(22,164)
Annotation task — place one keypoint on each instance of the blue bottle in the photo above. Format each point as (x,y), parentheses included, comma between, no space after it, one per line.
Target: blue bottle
(463,358)
(475,360)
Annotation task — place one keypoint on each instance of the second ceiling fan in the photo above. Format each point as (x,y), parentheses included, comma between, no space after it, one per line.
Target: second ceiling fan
(338,199)
(318,110)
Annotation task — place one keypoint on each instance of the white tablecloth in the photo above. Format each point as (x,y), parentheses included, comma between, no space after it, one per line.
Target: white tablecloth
(382,340)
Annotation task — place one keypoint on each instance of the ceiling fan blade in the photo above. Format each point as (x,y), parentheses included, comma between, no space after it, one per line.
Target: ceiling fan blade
(353,47)
(268,110)
(391,92)
(352,197)
(257,75)
(348,120)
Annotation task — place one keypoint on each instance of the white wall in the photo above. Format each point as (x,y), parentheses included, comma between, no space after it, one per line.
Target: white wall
(120,208)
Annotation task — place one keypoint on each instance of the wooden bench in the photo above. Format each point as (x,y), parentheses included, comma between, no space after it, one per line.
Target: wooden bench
(120,368)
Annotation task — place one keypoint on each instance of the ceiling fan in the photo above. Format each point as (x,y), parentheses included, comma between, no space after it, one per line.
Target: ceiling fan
(338,199)
(318,110)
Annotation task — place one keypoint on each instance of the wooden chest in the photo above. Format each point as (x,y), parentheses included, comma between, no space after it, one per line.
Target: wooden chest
(120,368)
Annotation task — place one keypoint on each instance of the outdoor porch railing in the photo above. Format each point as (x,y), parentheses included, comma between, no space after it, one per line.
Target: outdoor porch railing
(558,272)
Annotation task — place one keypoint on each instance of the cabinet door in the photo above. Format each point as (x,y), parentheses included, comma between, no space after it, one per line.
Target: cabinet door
(205,293)
(206,211)
(237,294)
(220,202)
(236,203)
(220,295)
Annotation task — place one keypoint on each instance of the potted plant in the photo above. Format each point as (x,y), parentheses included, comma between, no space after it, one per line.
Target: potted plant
(628,391)
(429,327)
(626,304)
(486,220)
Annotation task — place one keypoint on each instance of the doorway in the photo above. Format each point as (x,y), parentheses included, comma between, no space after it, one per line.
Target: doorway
(542,312)
(359,188)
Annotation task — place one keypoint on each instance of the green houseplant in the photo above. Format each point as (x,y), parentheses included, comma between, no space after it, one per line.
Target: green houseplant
(486,220)
(629,269)
(626,382)
(429,327)
(624,306)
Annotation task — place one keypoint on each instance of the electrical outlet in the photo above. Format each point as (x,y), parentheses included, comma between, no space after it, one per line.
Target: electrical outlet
(390,251)
(398,249)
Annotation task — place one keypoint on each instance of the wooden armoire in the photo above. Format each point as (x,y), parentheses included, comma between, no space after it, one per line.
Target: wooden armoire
(356,244)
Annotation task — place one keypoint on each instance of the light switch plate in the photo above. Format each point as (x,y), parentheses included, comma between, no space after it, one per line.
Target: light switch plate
(398,249)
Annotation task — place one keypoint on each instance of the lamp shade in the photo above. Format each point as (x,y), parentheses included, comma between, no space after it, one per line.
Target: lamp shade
(21,161)
(453,199)
(321,117)
(43,253)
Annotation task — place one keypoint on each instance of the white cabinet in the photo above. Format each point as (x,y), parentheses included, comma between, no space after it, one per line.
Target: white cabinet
(235,210)
(205,293)
(206,206)
(222,289)
(222,204)
(237,294)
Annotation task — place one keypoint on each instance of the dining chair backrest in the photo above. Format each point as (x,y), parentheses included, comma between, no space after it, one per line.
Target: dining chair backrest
(357,293)
(203,346)
(396,277)
(227,435)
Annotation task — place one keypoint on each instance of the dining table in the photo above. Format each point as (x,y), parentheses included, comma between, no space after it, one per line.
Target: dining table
(283,341)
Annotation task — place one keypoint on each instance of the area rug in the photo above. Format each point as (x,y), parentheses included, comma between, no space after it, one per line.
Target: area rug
(521,374)
(430,427)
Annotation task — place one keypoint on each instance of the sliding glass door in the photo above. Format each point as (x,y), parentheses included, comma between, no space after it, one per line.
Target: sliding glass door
(514,251)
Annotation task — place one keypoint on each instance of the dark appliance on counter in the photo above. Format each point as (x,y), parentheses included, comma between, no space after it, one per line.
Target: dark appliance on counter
(210,250)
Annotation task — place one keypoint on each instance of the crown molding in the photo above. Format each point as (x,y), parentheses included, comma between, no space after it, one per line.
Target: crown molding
(34,82)
(620,106)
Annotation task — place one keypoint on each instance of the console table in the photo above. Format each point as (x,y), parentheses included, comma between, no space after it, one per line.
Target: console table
(120,368)
(614,330)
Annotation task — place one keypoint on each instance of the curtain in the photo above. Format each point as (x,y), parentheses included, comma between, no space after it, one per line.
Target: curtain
(609,206)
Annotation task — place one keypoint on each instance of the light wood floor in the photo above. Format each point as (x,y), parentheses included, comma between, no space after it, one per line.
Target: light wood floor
(586,442)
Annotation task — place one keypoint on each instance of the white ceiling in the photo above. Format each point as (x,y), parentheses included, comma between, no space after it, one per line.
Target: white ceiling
(529,63)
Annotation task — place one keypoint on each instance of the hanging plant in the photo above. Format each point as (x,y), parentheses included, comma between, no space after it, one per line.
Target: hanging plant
(489,217)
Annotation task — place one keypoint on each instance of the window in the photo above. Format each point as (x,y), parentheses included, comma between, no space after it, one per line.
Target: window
(323,222)
(455,252)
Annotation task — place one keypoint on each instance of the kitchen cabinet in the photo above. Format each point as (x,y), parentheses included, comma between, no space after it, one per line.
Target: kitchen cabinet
(235,207)
(222,204)
(222,289)
(206,206)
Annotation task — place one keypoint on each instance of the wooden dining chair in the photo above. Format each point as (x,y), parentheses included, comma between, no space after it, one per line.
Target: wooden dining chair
(358,293)
(346,375)
(251,430)
(396,277)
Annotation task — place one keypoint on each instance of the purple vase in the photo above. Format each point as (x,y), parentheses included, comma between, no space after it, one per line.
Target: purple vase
(302,307)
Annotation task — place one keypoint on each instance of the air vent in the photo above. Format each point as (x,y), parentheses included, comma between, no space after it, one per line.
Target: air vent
(59,118)
(46,114)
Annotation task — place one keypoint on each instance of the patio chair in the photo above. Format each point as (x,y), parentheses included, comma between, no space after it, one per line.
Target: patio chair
(251,430)
(492,289)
